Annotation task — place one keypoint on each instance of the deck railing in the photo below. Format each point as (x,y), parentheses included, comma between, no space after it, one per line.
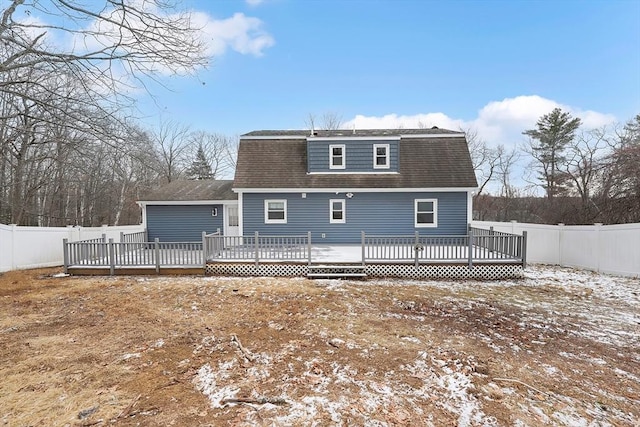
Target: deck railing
(477,245)
(138,237)
(257,248)
(132,254)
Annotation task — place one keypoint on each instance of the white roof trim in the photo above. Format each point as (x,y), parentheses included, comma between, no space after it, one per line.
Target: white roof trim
(355,137)
(356,190)
(186,202)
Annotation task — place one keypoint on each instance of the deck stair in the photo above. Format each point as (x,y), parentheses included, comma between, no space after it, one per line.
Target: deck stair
(345,271)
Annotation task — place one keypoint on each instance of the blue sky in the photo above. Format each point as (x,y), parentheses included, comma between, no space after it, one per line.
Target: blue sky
(495,66)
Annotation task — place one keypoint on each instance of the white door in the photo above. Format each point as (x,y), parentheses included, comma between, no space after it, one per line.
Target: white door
(231,225)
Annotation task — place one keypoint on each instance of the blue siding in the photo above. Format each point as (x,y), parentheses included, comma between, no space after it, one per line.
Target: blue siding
(182,223)
(373,213)
(359,156)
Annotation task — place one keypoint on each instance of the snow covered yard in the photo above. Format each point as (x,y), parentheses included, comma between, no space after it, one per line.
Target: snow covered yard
(561,347)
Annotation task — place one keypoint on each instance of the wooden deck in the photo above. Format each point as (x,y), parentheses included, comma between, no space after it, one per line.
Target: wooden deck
(296,255)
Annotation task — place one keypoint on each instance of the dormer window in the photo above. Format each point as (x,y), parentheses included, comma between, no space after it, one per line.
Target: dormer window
(381,156)
(337,158)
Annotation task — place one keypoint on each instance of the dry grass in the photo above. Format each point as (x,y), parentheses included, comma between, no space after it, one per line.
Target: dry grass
(159,351)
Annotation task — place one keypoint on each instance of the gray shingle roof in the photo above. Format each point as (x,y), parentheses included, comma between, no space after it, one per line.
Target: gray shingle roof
(188,190)
(350,132)
(428,162)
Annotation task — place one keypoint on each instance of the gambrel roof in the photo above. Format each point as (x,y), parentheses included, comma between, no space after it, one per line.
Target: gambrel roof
(429,158)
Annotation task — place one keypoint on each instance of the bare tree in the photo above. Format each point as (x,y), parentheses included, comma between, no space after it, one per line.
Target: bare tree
(172,143)
(143,37)
(329,120)
(584,162)
(484,158)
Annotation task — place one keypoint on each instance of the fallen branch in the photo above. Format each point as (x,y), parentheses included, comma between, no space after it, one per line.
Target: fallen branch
(126,411)
(524,384)
(246,353)
(260,401)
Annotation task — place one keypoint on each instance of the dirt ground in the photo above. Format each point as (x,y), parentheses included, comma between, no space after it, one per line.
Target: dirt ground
(560,347)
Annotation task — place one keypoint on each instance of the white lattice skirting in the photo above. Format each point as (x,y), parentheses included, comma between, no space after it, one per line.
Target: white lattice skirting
(428,271)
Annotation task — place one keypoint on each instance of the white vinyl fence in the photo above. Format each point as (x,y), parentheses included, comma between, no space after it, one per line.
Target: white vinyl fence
(611,249)
(33,247)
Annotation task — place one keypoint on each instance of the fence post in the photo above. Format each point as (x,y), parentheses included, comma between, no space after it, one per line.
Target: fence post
(415,249)
(257,247)
(65,251)
(470,235)
(112,258)
(524,250)
(156,250)
(309,245)
(363,248)
(122,237)
(598,245)
(560,243)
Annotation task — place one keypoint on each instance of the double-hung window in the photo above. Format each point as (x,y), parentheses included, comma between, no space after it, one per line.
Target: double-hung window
(381,156)
(275,211)
(337,214)
(337,157)
(426,213)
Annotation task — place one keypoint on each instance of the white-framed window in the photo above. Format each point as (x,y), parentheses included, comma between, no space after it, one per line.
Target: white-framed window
(275,211)
(337,214)
(426,213)
(337,156)
(381,156)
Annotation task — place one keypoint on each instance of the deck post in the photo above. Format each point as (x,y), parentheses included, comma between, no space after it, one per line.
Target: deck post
(112,258)
(524,250)
(65,250)
(491,241)
(309,245)
(156,250)
(122,237)
(415,249)
(257,247)
(363,247)
(204,249)
(470,249)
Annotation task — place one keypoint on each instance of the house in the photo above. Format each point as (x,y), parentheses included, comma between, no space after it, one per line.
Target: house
(339,183)
(331,203)
(181,210)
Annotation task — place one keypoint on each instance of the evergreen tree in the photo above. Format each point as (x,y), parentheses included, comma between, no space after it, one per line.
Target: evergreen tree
(553,132)
(200,167)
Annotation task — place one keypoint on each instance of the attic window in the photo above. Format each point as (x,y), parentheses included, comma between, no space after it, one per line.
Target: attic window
(381,156)
(337,157)
(275,211)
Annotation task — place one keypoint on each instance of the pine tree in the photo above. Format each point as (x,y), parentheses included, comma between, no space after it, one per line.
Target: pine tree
(200,167)
(553,133)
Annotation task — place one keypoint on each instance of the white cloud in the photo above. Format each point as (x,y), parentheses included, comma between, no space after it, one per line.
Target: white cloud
(498,122)
(242,33)
(254,2)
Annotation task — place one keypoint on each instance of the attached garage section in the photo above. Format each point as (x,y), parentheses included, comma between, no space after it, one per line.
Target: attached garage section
(182,223)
